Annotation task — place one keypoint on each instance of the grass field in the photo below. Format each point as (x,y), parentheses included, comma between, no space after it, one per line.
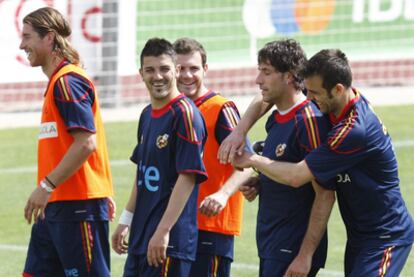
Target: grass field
(18,175)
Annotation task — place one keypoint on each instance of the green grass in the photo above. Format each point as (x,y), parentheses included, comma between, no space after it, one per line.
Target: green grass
(18,150)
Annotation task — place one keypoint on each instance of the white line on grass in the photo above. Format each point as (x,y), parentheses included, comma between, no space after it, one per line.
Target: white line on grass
(252,267)
(116,163)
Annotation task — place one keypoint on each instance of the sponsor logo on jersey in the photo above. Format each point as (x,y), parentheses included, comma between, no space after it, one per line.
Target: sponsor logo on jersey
(280,149)
(48,130)
(162,141)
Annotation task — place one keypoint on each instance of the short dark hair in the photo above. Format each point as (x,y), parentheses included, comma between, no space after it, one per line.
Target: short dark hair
(332,66)
(285,55)
(156,47)
(184,46)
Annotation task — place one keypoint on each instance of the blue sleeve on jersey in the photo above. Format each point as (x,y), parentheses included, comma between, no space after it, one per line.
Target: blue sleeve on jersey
(343,149)
(191,137)
(227,120)
(74,98)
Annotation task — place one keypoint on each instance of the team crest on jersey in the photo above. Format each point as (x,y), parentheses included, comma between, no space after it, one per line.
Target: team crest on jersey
(162,141)
(280,149)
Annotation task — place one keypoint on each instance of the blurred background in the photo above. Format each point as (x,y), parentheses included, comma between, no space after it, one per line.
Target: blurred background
(377,36)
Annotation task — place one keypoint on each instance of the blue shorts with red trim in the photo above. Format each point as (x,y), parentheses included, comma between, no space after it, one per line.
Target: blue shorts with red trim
(273,267)
(207,265)
(75,248)
(376,261)
(137,266)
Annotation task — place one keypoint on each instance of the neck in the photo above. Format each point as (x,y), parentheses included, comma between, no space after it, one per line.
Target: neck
(51,65)
(157,104)
(201,92)
(346,98)
(291,99)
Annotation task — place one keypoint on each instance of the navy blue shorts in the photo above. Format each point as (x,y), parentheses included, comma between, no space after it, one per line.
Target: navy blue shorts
(207,265)
(272,268)
(378,261)
(137,266)
(78,248)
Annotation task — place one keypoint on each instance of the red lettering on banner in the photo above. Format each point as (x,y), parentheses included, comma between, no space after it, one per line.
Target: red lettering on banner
(86,34)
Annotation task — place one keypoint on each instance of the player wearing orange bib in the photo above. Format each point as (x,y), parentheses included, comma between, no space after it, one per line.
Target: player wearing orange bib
(220,203)
(72,203)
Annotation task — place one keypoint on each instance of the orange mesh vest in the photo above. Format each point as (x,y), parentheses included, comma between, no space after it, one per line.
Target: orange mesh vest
(93,179)
(228,221)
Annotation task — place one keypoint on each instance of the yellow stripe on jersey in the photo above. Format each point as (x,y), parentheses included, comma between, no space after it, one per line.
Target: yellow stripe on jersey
(188,114)
(88,242)
(312,128)
(344,130)
(166,267)
(386,261)
(216,265)
(65,91)
(231,116)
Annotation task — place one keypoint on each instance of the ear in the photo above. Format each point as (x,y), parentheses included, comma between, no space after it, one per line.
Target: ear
(289,79)
(140,72)
(50,37)
(177,69)
(205,70)
(339,89)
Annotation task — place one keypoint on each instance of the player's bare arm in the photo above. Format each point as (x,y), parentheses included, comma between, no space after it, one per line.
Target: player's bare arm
(82,147)
(215,203)
(119,237)
(235,142)
(290,174)
(157,247)
(318,221)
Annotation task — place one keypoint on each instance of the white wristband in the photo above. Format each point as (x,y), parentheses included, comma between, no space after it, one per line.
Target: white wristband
(126,218)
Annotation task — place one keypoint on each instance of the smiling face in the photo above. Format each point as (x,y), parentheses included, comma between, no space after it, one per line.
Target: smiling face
(325,100)
(272,83)
(191,76)
(38,50)
(159,75)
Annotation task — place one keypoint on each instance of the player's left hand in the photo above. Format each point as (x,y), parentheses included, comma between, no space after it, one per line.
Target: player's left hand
(299,267)
(213,204)
(36,204)
(157,247)
(111,209)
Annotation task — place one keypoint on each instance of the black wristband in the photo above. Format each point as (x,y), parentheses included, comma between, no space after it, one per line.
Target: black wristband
(50,182)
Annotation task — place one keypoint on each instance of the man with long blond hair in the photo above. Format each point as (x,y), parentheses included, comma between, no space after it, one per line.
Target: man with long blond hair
(71,204)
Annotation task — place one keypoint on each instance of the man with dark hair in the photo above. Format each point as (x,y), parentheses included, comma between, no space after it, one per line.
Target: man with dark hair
(220,203)
(358,154)
(291,222)
(72,204)
(161,214)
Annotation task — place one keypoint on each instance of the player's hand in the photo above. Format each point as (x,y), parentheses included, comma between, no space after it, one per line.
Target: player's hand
(299,267)
(157,247)
(244,160)
(233,145)
(214,203)
(36,204)
(250,188)
(119,239)
(111,209)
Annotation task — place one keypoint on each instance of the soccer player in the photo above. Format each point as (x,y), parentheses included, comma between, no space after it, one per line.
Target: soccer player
(220,203)
(359,155)
(161,214)
(71,205)
(293,130)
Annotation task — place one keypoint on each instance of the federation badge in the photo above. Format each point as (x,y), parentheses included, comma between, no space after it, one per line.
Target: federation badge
(280,149)
(162,141)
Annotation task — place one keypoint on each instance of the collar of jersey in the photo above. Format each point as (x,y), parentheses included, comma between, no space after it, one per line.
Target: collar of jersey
(336,120)
(279,118)
(200,100)
(160,112)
